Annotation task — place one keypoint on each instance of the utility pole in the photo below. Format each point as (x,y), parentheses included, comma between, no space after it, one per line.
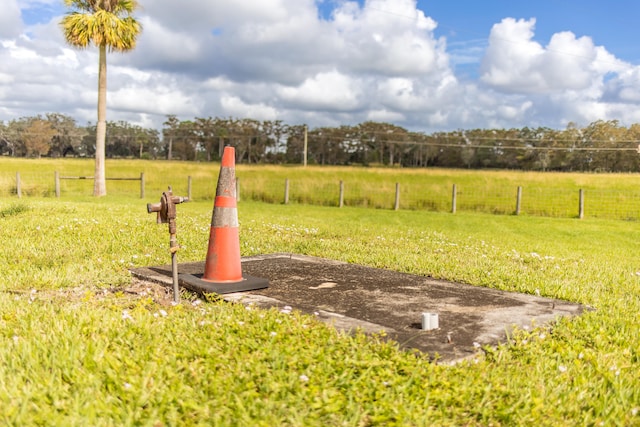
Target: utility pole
(304,160)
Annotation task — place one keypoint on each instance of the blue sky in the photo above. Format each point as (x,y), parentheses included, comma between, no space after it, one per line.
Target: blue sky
(424,65)
(609,23)
(465,23)
(600,20)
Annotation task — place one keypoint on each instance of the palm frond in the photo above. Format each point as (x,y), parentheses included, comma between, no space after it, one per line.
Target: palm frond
(101,22)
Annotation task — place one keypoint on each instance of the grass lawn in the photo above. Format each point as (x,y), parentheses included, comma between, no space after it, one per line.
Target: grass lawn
(79,347)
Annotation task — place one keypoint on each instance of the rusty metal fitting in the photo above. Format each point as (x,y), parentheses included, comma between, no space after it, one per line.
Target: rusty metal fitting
(166,209)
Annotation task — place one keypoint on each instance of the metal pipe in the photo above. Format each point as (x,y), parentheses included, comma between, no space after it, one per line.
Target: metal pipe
(166,210)
(174,267)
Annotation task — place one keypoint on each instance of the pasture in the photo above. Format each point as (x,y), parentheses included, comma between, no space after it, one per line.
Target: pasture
(84,345)
(606,196)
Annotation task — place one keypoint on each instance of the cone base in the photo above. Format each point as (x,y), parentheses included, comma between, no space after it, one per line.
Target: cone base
(198,285)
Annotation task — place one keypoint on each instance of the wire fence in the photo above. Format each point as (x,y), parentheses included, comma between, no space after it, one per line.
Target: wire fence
(427,195)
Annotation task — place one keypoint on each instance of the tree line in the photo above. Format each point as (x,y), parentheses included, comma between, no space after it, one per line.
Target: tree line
(602,146)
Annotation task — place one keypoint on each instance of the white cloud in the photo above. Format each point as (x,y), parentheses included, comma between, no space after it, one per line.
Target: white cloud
(332,90)
(278,59)
(29,4)
(385,116)
(514,112)
(624,87)
(162,101)
(10,20)
(5,79)
(164,48)
(515,63)
(235,107)
(388,37)
(569,79)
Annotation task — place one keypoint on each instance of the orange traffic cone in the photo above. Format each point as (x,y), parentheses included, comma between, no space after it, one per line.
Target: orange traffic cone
(223,268)
(223,255)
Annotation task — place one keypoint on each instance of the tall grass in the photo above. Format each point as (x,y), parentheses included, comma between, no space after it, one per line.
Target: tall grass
(613,196)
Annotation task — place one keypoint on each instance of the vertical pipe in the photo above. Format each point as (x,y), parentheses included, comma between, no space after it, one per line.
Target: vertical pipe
(237,189)
(57,179)
(173,245)
(18,185)
(286,191)
(142,185)
(396,205)
(341,203)
(581,204)
(454,197)
(518,200)
(189,187)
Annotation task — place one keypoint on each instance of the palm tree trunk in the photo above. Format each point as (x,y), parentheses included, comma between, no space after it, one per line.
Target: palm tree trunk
(99,183)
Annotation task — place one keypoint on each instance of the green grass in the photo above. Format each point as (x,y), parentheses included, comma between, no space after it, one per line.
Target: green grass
(78,349)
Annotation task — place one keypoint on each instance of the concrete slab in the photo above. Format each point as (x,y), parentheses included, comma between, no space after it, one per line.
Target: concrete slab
(350,296)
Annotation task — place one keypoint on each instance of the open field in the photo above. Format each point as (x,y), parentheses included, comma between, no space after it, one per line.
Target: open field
(83,345)
(607,196)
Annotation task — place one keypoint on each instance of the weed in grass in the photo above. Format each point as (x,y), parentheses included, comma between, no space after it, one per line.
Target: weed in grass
(14,209)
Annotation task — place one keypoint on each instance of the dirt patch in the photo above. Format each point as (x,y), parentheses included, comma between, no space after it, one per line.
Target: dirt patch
(137,289)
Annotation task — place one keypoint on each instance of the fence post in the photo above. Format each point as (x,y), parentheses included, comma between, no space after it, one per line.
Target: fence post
(18,185)
(142,185)
(581,204)
(237,189)
(454,196)
(189,187)
(396,205)
(286,191)
(56,176)
(518,200)
(341,202)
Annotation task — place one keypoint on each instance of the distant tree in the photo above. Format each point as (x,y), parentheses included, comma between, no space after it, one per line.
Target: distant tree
(108,24)
(68,137)
(255,140)
(13,136)
(274,131)
(326,145)
(169,132)
(222,134)
(295,143)
(185,141)
(601,146)
(630,161)
(6,146)
(380,140)
(605,136)
(88,142)
(205,133)
(37,137)
(149,142)
(127,140)
(8,139)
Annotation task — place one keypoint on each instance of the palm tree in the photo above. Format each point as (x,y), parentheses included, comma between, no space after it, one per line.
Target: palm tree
(108,24)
